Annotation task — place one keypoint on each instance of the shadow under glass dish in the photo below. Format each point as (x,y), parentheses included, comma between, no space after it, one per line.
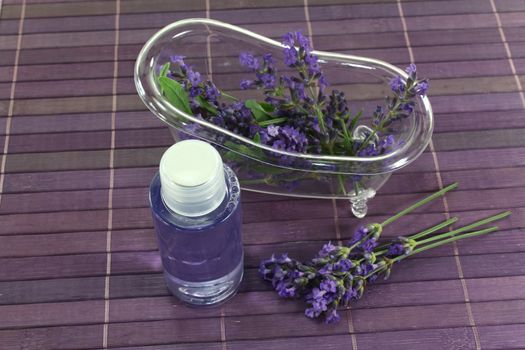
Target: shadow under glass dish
(213,47)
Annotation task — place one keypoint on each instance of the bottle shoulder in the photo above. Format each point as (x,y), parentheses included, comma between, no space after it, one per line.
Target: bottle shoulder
(228,207)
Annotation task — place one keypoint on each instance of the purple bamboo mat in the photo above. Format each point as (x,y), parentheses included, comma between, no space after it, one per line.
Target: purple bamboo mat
(78,261)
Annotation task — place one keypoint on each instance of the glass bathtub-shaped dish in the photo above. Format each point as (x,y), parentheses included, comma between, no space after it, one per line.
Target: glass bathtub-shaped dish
(212,48)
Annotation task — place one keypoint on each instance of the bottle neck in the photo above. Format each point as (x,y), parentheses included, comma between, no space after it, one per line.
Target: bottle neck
(193,201)
(192,178)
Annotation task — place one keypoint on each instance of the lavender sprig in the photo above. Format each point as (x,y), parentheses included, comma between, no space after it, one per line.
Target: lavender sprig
(320,122)
(298,113)
(340,273)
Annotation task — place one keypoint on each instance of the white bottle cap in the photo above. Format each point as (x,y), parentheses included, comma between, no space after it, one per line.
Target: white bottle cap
(192,178)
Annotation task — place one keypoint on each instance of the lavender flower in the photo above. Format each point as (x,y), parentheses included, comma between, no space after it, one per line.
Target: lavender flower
(332,316)
(194,77)
(237,118)
(327,249)
(285,138)
(290,56)
(289,39)
(340,273)
(246,84)
(343,265)
(286,289)
(395,249)
(397,84)
(272,130)
(328,285)
(411,69)
(267,79)
(296,38)
(359,235)
(211,91)
(421,88)
(177,59)
(248,60)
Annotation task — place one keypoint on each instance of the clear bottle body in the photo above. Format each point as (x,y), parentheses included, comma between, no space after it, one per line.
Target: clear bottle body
(202,256)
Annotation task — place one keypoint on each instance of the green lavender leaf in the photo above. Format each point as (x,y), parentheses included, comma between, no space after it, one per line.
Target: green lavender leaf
(270,170)
(233,98)
(346,135)
(206,105)
(354,121)
(273,121)
(258,111)
(233,156)
(268,107)
(164,70)
(257,138)
(243,149)
(175,94)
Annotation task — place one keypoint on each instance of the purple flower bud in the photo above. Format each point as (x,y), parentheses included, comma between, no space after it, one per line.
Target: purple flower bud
(194,77)
(343,265)
(369,151)
(395,249)
(283,259)
(397,84)
(268,59)
(386,142)
(332,316)
(328,285)
(177,59)
(289,39)
(407,107)
(272,130)
(322,83)
(302,41)
(300,92)
(411,69)
(195,91)
(248,60)
(285,289)
(290,56)
(421,88)
(267,79)
(349,295)
(212,93)
(365,268)
(359,234)
(327,249)
(311,313)
(368,245)
(246,84)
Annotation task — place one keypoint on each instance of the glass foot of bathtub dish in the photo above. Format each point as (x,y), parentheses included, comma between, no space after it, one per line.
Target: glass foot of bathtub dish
(359,203)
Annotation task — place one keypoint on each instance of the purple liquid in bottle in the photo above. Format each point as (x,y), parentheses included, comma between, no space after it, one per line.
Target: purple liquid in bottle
(202,255)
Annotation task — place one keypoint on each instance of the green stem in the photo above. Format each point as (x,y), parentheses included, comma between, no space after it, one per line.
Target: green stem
(341,183)
(446,241)
(420,203)
(434,229)
(434,245)
(391,113)
(254,181)
(356,188)
(426,232)
(466,228)
(365,142)
(346,135)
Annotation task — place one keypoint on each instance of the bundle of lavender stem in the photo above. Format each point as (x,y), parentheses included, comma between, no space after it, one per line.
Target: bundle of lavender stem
(340,273)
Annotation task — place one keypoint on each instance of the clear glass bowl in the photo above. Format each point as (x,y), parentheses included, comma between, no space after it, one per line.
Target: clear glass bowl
(213,48)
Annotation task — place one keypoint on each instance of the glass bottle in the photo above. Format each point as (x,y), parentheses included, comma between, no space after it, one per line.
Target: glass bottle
(195,203)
